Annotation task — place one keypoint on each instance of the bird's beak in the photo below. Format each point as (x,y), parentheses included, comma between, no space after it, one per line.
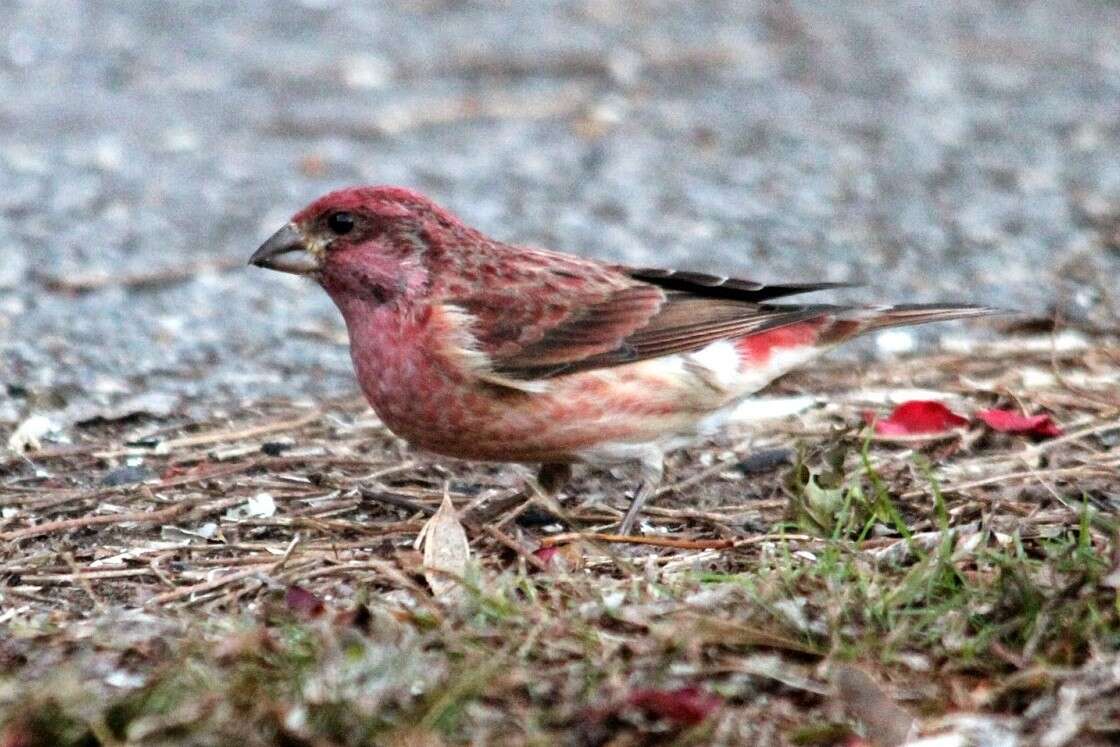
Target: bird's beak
(286,251)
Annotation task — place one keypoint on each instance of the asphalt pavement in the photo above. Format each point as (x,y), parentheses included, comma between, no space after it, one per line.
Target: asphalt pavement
(933,151)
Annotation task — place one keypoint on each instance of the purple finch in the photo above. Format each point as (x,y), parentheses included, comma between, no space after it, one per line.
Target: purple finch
(477,349)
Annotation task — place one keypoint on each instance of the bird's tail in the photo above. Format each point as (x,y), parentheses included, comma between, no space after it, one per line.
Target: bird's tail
(860,321)
(921,313)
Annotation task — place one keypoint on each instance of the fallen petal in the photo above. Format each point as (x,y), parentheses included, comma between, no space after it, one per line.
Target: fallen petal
(546,554)
(916,417)
(1009,421)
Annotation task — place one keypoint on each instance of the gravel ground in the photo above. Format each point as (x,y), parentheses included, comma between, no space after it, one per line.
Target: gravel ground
(964,150)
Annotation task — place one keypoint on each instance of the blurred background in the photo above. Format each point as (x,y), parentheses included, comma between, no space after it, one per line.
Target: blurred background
(933,151)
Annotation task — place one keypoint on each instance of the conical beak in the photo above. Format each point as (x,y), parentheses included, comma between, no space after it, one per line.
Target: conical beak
(286,251)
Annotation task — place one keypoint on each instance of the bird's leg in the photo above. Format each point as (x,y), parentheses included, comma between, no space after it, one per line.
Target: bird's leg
(552,478)
(652,468)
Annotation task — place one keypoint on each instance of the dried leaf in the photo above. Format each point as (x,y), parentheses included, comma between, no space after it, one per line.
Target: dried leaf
(685,705)
(171,533)
(359,618)
(817,509)
(887,724)
(260,506)
(916,417)
(446,550)
(303,603)
(1009,421)
(27,436)
(568,556)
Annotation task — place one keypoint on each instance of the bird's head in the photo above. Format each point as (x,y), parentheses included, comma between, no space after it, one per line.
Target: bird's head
(359,242)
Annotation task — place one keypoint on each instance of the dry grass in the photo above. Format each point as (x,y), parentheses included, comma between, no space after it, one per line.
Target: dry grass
(969,574)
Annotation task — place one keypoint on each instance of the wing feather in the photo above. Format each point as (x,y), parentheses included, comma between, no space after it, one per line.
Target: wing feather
(574,315)
(716,286)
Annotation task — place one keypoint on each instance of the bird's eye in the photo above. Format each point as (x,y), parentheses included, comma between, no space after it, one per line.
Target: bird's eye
(340,222)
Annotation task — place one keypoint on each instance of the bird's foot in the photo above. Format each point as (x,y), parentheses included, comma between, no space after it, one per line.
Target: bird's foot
(546,487)
(551,479)
(652,471)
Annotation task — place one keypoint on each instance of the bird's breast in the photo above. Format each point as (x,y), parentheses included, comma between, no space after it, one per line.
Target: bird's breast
(428,394)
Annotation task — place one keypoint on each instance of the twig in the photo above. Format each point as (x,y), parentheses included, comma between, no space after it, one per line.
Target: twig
(395,500)
(82,576)
(682,544)
(385,568)
(759,539)
(1083,470)
(720,516)
(154,565)
(512,544)
(1072,436)
(391,469)
(262,577)
(214,437)
(287,553)
(59,497)
(83,581)
(138,517)
(187,591)
(704,474)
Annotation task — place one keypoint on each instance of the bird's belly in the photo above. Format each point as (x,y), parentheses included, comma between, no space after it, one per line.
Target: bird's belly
(489,423)
(600,415)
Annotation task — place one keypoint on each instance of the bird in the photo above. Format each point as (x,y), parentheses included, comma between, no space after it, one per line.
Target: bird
(474,348)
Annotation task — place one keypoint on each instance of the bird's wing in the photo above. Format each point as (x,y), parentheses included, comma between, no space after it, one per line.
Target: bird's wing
(716,286)
(562,320)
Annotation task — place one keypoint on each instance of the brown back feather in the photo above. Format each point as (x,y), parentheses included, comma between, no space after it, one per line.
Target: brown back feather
(624,315)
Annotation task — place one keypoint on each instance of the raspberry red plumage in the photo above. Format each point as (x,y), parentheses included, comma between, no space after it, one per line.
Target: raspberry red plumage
(473,348)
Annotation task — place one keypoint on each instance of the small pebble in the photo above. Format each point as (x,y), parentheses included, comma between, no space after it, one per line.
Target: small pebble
(126,476)
(275,448)
(766,460)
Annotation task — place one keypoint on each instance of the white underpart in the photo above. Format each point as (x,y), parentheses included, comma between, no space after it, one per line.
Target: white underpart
(721,377)
(760,409)
(620,452)
(718,364)
(464,346)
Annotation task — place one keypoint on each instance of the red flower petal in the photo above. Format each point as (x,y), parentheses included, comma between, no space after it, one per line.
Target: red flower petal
(546,554)
(1008,421)
(918,416)
(303,603)
(685,705)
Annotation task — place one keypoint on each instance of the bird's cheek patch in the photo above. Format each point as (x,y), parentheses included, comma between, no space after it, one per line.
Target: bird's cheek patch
(317,247)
